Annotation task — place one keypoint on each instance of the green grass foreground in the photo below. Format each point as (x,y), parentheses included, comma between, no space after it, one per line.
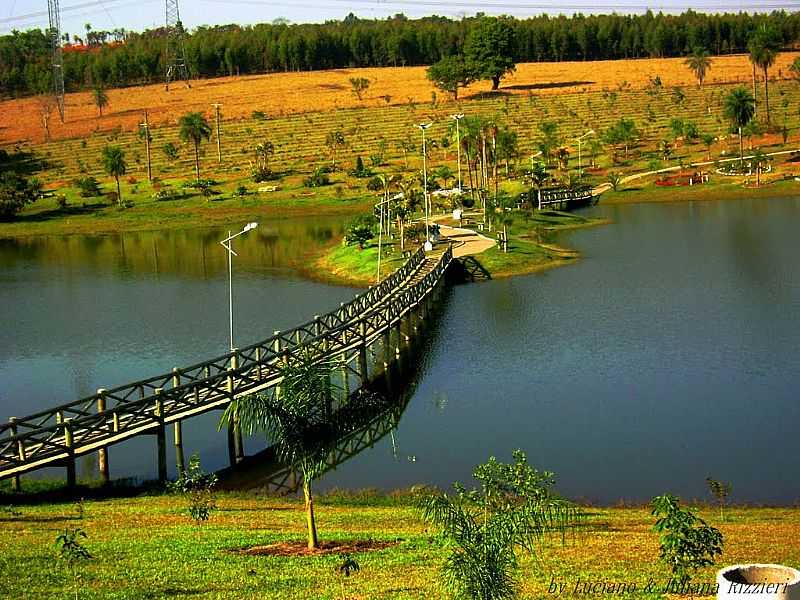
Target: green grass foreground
(147,547)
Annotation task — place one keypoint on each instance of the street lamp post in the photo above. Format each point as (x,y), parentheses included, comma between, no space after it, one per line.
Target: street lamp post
(227,244)
(457,118)
(580,141)
(422,127)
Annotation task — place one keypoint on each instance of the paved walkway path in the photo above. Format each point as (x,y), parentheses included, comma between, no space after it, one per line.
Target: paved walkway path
(466,241)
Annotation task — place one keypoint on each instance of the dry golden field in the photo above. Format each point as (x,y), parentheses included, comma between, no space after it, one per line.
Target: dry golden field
(282,94)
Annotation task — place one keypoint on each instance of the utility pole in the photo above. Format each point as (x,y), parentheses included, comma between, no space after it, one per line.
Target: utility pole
(217,106)
(174,51)
(54,20)
(146,127)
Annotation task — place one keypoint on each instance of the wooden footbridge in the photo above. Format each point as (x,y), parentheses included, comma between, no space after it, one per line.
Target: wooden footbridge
(369,330)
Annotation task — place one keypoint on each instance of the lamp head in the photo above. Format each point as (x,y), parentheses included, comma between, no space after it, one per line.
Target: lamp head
(457,117)
(250,226)
(424,126)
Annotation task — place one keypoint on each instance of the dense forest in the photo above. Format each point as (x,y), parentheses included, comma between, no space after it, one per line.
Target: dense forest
(122,58)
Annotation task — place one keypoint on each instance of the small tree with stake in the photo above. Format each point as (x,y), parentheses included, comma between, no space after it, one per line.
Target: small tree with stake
(687,543)
(73,552)
(720,490)
(197,487)
(515,508)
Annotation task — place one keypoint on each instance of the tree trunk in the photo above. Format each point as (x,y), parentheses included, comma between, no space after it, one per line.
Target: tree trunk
(741,149)
(766,94)
(402,234)
(119,192)
(197,160)
(755,97)
(495,82)
(313,543)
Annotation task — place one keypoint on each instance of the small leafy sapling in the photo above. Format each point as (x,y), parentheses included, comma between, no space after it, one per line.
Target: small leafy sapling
(72,552)
(687,542)
(347,566)
(720,490)
(80,509)
(197,487)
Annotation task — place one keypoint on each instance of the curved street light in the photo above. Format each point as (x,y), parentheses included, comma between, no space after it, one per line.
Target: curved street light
(227,244)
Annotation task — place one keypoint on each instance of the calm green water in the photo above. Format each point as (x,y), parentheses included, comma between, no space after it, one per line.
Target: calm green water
(668,354)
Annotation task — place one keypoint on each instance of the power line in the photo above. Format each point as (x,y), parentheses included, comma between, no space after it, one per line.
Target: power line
(66,9)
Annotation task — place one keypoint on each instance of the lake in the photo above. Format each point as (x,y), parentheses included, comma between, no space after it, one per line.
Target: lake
(666,355)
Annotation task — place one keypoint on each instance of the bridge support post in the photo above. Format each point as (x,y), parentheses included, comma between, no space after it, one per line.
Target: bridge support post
(102,453)
(235,444)
(161,438)
(15,484)
(388,352)
(325,348)
(70,460)
(398,335)
(180,464)
(363,367)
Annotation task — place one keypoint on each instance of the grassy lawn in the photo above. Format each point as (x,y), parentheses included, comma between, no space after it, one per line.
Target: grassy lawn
(146,547)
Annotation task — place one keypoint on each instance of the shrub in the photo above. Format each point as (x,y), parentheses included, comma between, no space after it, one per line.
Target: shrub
(165,194)
(197,487)
(88,187)
(360,230)
(259,115)
(61,201)
(170,150)
(687,543)
(318,178)
(375,184)
(376,160)
(241,191)
(360,170)
(15,192)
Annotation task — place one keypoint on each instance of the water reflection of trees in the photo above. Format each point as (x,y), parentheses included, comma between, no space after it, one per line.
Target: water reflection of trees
(193,253)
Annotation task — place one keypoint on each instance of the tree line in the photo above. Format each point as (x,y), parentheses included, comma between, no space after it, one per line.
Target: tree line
(122,58)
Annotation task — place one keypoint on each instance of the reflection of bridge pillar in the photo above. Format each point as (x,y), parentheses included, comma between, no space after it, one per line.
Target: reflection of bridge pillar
(325,349)
(102,453)
(388,351)
(363,367)
(398,336)
(161,438)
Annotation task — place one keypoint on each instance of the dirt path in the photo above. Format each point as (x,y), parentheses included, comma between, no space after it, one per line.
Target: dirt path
(465,241)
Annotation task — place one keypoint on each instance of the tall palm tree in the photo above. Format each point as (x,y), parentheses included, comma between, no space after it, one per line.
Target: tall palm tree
(740,108)
(764,46)
(699,62)
(115,165)
(195,128)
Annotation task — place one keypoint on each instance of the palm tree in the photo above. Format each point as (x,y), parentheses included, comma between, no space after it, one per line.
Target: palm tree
(100,98)
(298,420)
(758,162)
(445,174)
(194,127)
(539,177)
(699,62)
(740,108)
(764,46)
(115,165)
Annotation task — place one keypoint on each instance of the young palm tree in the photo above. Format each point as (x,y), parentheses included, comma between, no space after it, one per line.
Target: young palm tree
(298,420)
(445,174)
(514,510)
(764,46)
(740,108)
(100,98)
(699,62)
(115,165)
(195,128)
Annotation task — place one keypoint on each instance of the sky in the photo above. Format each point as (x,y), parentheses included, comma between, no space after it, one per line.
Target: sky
(142,14)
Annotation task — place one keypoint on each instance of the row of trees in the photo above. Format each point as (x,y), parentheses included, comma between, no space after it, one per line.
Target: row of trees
(131,58)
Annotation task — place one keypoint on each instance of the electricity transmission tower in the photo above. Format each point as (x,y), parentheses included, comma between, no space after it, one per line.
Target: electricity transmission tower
(54,16)
(175,53)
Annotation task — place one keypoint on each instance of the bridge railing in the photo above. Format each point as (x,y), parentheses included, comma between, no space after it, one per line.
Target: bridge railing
(51,434)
